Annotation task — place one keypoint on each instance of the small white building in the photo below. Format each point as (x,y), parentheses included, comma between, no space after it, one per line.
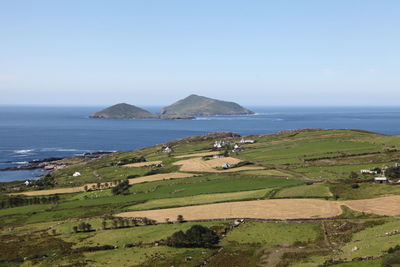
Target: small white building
(380,180)
(220,144)
(226,165)
(244,141)
(76,174)
(368,172)
(27,183)
(167,150)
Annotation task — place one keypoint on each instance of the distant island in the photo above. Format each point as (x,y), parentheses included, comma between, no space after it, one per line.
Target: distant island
(123,111)
(195,105)
(186,108)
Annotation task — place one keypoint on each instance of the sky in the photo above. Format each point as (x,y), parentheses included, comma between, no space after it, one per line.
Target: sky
(148,52)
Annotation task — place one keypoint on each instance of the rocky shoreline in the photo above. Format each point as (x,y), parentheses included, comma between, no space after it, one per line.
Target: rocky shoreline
(53,163)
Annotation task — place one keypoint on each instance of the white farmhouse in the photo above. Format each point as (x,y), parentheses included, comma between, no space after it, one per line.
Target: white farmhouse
(244,141)
(380,180)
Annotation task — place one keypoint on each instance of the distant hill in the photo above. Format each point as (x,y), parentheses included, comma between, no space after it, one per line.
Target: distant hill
(195,105)
(123,111)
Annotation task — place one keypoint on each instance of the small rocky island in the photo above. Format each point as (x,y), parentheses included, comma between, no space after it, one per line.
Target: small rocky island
(187,108)
(123,111)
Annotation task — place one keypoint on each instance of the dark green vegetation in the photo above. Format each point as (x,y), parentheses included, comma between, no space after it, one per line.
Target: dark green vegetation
(195,105)
(123,111)
(196,236)
(79,229)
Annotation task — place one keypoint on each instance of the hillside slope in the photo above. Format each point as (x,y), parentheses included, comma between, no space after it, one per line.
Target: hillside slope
(195,105)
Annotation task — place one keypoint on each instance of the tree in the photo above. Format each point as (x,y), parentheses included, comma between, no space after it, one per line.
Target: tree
(353,175)
(121,189)
(85,188)
(104,224)
(180,218)
(196,236)
(393,172)
(75,228)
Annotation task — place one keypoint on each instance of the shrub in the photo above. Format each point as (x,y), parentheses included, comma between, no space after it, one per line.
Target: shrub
(355,186)
(393,172)
(391,259)
(197,236)
(121,189)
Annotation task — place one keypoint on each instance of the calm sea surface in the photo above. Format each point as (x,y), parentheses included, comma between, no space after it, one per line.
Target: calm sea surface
(28,133)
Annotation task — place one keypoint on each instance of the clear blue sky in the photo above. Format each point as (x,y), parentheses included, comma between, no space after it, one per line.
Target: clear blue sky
(286,52)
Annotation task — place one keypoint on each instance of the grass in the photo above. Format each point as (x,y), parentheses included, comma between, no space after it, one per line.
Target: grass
(200,199)
(365,190)
(122,236)
(295,152)
(339,171)
(274,233)
(308,191)
(372,241)
(156,256)
(267,173)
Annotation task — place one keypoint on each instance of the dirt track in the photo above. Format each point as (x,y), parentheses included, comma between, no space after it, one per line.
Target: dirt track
(273,209)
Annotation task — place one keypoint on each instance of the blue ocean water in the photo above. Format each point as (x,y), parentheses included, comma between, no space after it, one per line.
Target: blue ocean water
(28,133)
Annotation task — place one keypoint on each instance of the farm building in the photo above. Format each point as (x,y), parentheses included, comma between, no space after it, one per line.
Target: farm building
(368,172)
(380,180)
(167,150)
(76,174)
(226,165)
(244,141)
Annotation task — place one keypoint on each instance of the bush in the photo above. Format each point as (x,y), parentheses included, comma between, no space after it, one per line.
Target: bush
(393,172)
(391,259)
(196,237)
(121,189)
(355,186)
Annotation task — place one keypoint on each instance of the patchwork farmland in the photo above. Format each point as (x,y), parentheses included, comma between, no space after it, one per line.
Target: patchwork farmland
(294,198)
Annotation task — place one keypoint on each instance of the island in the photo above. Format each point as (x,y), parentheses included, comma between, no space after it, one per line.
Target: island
(123,111)
(195,105)
(187,108)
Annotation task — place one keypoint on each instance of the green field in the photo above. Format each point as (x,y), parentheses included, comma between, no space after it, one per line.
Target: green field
(309,191)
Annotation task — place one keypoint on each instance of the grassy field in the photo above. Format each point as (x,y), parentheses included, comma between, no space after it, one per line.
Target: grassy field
(43,235)
(372,241)
(273,234)
(309,191)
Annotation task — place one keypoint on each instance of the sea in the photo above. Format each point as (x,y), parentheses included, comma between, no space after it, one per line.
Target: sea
(32,133)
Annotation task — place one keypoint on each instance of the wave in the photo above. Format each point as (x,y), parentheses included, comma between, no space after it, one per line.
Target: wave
(56,149)
(23,151)
(20,162)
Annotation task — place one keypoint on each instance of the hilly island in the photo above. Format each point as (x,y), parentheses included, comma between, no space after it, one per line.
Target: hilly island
(122,111)
(186,108)
(195,105)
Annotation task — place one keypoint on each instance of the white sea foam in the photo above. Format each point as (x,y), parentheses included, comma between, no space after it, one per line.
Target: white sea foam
(21,162)
(23,151)
(56,149)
